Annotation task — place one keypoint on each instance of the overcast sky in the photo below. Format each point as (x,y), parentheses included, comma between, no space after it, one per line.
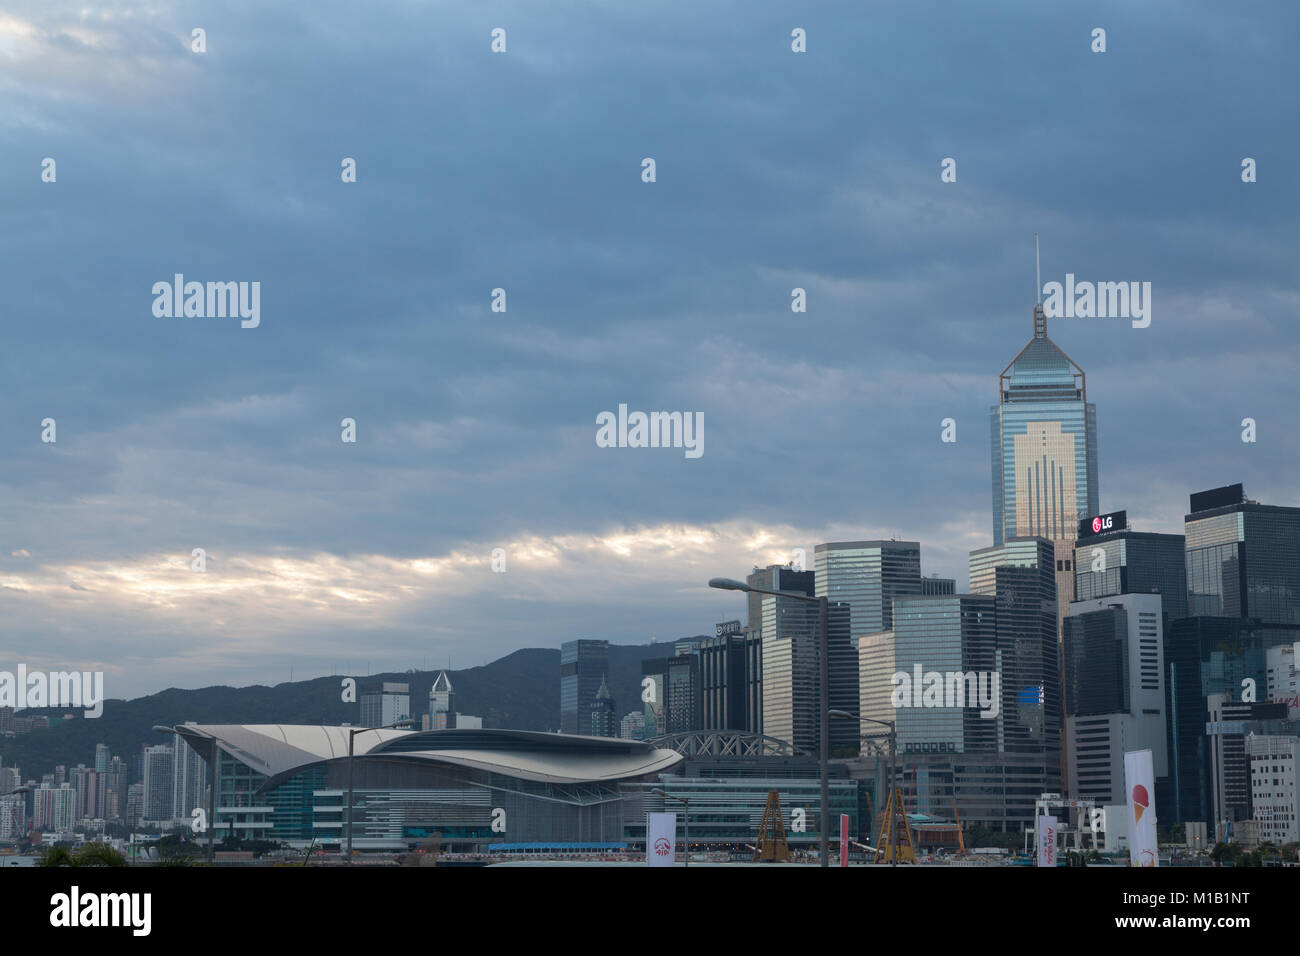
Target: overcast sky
(522,170)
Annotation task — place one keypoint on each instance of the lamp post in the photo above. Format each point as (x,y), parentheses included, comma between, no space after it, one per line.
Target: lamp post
(893,749)
(686,816)
(212,790)
(823,610)
(352,734)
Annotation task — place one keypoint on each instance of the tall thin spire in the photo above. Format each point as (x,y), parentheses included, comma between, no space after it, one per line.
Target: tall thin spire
(1040,317)
(1038,271)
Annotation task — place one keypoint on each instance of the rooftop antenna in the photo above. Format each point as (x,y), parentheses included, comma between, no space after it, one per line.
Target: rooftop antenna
(1040,318)
(1038,271)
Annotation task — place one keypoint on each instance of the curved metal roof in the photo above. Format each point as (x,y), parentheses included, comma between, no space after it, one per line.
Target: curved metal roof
(280,750)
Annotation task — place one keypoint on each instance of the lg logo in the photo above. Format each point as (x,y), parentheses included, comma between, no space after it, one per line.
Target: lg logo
(1102,524)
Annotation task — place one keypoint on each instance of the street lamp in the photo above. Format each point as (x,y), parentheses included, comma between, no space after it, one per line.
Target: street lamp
(352,734)
(823,606)
(212,790)
(686,814)
(893,744)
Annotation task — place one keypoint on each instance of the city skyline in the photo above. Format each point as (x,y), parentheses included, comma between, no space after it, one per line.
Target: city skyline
(477,429)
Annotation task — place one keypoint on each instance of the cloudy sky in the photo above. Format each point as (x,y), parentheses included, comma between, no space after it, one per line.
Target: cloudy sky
(522,170)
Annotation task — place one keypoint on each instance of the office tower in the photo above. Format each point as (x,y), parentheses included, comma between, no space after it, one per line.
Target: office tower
(652,696)
(776,577)
(1114,693)
(1243,560)
(1273,787)
(1115,559)
(583,664)
(867,575)
(101,757)
(159,762)
(731,679)
(1020,575)
(602,722)
(791,673)
(1283,678)
(683,696)
(632,726)
(10,779)
(1231,723)
(1204,656)
(386,704)
(189,778)
(1044,452)
(442,704)
(938,585)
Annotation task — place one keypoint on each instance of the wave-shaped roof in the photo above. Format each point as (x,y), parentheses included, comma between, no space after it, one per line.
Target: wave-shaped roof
(279,750)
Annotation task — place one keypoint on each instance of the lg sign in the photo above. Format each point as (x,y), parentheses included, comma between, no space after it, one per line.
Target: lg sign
(1115,521)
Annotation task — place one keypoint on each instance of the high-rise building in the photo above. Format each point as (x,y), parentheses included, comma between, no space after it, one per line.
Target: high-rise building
(1115,559)
(1283,677)
(867,575)
(776,577)
(1044,452)
(1273,786)
(442,704)
(1231,724)
(731,677)
(1204,656)
(101,757)
(632,726)
(603,723)
(1114,694)
(159,763)
(1020,575)
(189,778)
(791,673)
(583,665)
(386,704)
(1243,560)
(683,694)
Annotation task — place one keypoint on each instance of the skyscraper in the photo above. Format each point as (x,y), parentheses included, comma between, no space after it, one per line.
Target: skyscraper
(791,674)
(1243,560)
(867,575)
(442,704)
(775,577)
(1044,452)
(1115,559)
(1020,575)
(189,778)
(1115,695)
(583,665)
(602,722)
(158,783)
(385,705)
(731,676)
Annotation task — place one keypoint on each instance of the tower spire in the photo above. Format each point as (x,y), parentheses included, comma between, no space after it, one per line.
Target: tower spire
(1040,318)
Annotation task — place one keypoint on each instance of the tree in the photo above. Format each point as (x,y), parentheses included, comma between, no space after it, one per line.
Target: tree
(56,856)
(98,854)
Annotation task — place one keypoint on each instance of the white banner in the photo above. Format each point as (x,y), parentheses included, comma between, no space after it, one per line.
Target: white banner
(1047,841)
(660,838)
(1139,779)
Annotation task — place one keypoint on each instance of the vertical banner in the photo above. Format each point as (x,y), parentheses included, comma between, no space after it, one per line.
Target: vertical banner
(1139,779)
(1046,841)
(844,839)
(660,838)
